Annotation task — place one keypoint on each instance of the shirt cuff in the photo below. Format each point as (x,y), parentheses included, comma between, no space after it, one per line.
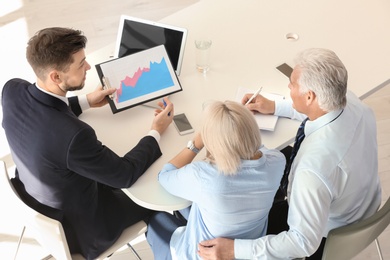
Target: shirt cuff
(283,107)
(243,249)
(83,102)
(155,134)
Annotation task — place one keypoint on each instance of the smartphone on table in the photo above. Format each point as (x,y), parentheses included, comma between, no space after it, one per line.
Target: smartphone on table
(182,124)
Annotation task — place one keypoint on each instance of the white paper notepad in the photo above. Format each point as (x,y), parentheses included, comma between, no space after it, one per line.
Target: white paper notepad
(265,122)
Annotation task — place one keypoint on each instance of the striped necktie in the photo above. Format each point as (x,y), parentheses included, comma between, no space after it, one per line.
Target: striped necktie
(298,140)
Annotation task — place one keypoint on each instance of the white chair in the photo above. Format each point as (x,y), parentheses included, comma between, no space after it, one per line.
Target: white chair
(347,241)
(49,232)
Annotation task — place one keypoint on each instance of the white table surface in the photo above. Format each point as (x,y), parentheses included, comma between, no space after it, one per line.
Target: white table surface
(248,43)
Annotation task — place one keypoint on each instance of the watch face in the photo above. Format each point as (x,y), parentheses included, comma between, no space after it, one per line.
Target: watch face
(192,147)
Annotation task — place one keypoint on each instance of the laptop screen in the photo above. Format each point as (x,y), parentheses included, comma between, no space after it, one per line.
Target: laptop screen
(136,34)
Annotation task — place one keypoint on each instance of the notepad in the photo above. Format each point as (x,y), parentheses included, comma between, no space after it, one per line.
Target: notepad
(265,122)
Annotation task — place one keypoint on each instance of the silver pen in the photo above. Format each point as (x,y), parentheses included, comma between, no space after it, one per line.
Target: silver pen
(253,96)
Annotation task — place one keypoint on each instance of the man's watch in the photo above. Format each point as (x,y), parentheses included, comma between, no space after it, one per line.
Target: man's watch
(192,147)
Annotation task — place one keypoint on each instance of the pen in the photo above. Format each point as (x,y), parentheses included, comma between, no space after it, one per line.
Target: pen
(253,96)
(107,85)
(165,104)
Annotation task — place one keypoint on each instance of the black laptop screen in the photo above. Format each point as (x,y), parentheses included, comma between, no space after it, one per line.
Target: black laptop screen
(135,35)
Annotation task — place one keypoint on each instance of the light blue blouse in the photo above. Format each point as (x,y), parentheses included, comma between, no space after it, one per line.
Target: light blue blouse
(223,206)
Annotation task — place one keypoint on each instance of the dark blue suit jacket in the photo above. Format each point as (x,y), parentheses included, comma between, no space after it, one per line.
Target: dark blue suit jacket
(66,173)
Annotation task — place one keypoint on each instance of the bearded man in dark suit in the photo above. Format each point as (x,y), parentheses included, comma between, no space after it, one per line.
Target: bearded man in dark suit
(63,171)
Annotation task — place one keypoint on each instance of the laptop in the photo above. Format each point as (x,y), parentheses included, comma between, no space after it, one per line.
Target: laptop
(135,34)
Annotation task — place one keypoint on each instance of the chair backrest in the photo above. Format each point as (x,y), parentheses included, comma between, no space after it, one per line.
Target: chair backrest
(48,232)
(347,241)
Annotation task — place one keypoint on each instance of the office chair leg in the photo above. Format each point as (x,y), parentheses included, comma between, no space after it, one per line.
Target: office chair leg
(379,249)
(134,252)
(19,242)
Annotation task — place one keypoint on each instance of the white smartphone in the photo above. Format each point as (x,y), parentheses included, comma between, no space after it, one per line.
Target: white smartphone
(182,124)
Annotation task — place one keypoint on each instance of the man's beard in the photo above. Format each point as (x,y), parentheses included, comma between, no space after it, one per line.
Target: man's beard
(74,88)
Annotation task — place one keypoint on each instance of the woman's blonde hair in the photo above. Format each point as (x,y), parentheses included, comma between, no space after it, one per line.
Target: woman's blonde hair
(230,134)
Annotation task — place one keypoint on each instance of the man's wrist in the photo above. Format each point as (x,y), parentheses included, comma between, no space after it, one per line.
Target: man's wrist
(155,134)
(83,102)
(243,249)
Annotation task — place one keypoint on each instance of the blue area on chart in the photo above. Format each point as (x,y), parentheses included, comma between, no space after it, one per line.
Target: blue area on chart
(157,78)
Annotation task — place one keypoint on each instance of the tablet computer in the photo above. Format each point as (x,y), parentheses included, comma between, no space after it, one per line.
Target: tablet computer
(138,78)
(135,34)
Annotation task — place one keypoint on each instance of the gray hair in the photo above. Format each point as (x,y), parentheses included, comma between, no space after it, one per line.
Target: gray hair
(230,134)
(323,73)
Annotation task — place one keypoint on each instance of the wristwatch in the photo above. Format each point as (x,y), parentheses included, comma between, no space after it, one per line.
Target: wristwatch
(192,147)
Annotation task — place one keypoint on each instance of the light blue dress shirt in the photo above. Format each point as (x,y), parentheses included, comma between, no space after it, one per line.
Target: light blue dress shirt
(333,182)
(223,206)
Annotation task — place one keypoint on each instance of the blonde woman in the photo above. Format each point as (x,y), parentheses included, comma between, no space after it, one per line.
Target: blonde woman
(232,190)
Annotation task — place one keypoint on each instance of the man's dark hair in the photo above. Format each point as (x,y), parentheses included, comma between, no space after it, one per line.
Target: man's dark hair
(52,48)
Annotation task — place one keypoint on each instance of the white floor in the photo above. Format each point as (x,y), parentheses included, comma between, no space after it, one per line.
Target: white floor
(99,19)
